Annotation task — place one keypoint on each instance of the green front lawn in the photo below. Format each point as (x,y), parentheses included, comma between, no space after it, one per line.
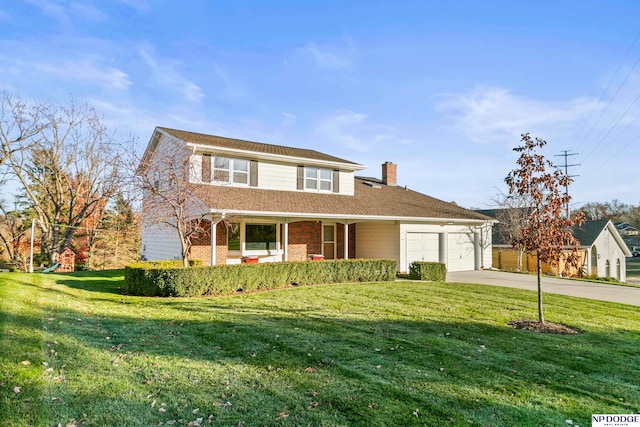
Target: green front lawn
(76,352)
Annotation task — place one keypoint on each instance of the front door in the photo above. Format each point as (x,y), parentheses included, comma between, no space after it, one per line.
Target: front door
(329,241)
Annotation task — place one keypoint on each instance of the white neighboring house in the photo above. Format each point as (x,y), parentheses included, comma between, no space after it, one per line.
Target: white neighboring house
(273,203)
(606,252)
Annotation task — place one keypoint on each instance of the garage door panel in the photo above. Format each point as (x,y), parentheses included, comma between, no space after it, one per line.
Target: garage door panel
(460,252)
(422,247)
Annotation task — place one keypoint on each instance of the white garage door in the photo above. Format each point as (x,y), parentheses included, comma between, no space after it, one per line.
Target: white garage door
(460,255)
(422,247)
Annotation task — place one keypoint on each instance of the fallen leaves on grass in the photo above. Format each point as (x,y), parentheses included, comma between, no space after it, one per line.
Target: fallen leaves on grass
(25,363)
(281,415)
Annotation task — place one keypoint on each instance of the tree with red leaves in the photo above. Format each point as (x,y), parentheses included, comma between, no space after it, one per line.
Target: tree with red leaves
(545,231)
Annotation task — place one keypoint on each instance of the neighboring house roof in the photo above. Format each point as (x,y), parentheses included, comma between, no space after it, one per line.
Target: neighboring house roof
(588,232)
(256,147)
(626,229)
(371,199)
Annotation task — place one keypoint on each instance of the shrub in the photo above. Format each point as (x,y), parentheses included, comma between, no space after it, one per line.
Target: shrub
(163,279)
(435,271)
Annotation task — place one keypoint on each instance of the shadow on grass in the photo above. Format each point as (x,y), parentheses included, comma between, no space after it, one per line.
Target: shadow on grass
(457,369)
(454,371)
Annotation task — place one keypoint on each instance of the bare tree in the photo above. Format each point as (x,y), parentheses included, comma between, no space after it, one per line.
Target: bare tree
(545,231)
(512,218)
(20,123)
(69,167)
(168,198)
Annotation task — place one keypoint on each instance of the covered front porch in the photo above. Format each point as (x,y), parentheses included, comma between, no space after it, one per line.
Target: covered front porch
(233,240)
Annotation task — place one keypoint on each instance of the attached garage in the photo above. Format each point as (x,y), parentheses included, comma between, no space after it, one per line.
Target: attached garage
(460,252)
(423,247)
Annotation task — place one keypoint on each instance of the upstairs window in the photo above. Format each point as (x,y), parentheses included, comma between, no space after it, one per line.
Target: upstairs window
(318,179)
(225,170)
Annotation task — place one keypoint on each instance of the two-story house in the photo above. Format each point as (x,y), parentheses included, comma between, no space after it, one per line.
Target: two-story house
(277,203)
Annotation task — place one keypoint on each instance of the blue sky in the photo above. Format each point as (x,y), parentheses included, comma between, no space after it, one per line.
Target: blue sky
(443,89)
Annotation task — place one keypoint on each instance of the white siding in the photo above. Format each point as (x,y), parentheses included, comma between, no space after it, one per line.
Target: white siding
(347,183)
(195,169)
(160,242)
(277,176)
(378,240)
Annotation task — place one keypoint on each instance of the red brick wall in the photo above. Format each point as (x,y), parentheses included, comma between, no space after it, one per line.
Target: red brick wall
(201,248)
(305,237)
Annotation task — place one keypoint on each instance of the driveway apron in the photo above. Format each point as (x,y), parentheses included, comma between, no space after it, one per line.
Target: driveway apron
(554,285)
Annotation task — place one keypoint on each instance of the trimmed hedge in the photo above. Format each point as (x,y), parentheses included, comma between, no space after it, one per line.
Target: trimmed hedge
(150,279)
(435,271)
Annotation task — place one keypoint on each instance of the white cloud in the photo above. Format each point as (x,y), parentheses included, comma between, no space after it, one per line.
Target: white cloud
(166,74)
(63,11)
(354,131)
(494,115)
(330,57)
(86,70)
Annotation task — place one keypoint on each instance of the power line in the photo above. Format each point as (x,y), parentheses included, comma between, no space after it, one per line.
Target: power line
(606,89)
(566,154)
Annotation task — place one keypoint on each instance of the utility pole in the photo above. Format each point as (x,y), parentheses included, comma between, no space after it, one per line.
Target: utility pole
(566,154)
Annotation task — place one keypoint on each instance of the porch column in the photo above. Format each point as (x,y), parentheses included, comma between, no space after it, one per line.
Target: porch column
(442,247)
(214,227)
(285,243)
(477,251)
(346,240)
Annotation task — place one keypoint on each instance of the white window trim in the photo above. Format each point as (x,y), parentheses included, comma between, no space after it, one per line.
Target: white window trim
(230,172)
(318,180)
(255,252)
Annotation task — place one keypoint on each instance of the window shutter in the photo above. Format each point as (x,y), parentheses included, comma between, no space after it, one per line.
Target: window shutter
(336,181)
(206,168)
(253,173)
(300,178)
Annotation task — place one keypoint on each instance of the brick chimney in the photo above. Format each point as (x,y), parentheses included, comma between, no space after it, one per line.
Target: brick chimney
(389,173)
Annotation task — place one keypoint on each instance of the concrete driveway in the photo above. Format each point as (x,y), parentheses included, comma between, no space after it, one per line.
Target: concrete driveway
(574,288)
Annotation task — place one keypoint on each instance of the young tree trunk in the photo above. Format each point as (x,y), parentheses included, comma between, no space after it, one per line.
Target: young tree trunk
(540,315)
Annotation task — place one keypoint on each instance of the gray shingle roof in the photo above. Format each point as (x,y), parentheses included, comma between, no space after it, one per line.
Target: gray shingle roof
(258,147)
(381,201)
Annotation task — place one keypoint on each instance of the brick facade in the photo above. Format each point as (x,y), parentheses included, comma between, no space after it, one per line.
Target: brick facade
(305,237)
